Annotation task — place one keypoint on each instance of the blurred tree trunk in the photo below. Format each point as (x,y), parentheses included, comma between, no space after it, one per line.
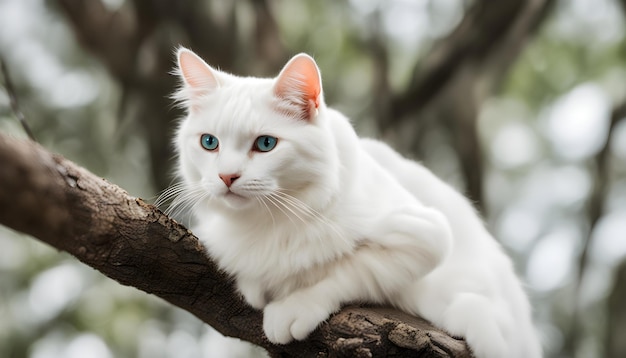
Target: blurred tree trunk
(615,346)
(616,319)
(66,206)
(596,209)
(450,84)
(136,44)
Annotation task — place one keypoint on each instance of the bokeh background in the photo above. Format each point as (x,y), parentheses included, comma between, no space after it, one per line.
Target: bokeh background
(518,103)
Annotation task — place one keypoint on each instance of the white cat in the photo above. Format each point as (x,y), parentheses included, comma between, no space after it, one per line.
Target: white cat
(306,216)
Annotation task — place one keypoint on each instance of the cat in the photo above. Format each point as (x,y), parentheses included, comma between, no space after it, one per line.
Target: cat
(306,216)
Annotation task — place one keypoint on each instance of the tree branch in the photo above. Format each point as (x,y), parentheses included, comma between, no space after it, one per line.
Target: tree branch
(132,242)
(113,36)
(488,29)
(13,102)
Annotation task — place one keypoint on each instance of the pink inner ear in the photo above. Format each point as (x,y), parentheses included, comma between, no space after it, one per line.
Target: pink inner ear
(196,73)
(299,83)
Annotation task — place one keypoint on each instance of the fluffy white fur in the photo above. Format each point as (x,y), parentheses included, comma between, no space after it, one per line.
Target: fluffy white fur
(326,218)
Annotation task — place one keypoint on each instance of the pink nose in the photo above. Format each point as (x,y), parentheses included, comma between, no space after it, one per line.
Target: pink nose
(229,179)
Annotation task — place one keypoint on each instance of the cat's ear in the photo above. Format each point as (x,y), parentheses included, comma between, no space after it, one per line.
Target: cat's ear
(199,79)
(299,87)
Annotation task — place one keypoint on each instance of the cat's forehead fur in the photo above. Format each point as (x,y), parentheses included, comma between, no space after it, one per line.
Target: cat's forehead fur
(295,92)
(243,105)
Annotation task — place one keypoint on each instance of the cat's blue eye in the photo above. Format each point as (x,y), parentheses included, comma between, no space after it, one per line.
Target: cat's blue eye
(209,141)
(265,143)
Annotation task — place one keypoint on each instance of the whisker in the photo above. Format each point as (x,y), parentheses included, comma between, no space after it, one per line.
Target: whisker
(261,200)
(275,201)
(182,198)
(291,207)
(305,209)
(298,204)
(169,193)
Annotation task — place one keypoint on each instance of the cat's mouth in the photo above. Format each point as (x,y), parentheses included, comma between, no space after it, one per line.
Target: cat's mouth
(231,194)
(234,200)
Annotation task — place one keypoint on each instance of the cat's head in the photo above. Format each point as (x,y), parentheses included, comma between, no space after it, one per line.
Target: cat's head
(251,142)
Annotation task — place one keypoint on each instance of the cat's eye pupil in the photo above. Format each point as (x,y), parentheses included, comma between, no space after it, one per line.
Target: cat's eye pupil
(265,143)
(209,141)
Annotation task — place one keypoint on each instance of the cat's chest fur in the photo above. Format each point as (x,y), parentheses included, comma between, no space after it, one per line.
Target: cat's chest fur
(279,253)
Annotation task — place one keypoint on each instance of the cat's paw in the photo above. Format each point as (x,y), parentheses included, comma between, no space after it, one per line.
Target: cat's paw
(293,317)
(476,318)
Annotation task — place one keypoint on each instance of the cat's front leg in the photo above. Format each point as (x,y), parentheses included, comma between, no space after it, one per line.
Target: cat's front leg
(410,243)
(297,315)
(419,237)
(252,292)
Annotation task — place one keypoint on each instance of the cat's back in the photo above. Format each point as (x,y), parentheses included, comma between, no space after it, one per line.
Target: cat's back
(432,192)
(420,181)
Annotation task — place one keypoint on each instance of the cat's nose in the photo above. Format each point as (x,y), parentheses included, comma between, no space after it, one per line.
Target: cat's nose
(229,179)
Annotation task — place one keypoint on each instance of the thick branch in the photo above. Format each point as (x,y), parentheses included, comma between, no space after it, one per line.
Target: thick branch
(68,207)
(489,29)
(112,36)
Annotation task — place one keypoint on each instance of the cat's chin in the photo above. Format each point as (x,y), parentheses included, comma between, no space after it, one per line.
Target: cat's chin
(235,201)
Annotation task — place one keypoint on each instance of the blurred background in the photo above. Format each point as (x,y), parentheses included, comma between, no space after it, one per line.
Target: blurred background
(518,103)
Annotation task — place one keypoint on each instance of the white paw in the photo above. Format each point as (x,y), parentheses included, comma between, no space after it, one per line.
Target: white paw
(482,323)
(292,318)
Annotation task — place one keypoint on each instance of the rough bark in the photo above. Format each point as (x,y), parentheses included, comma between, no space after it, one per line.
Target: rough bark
(132,242)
